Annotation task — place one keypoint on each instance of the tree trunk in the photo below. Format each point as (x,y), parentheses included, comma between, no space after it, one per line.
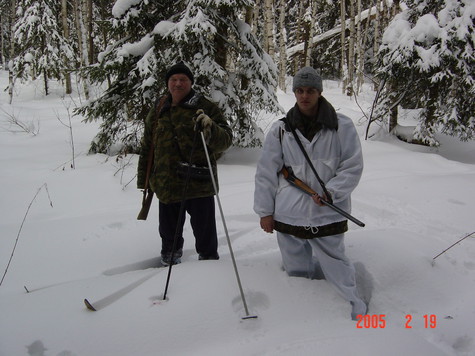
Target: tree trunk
(393,111)
(104,13)
(269,29)
(351,51)
(45,78)
(249,17)
(363,44)
(311,33)
(306,42)
(11,79)
(4,23)
(300,34)
(64,16)
(360,40)
(90,30)
(376,34)
(385,14)
(395,8)
(342,40)
(431,106)
(80,35)
(282,47)
(77,22)
(255,15)
(393,118)
(220,45)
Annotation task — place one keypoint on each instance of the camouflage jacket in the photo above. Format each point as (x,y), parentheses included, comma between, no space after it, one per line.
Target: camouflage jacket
(172,131)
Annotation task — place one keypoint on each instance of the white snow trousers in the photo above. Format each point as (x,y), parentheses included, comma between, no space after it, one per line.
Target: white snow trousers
(319,258)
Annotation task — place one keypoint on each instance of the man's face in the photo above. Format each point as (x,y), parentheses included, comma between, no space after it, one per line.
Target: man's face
(179,85)
(307,99)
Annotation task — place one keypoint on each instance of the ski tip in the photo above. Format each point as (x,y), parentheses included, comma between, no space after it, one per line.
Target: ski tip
(89,305)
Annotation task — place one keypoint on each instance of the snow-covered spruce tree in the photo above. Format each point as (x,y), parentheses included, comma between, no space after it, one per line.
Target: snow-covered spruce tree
(427,59)
(229,66)
(5,16)
(41,48)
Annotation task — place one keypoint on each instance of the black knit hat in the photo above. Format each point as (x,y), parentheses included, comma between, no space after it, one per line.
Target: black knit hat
(179,68)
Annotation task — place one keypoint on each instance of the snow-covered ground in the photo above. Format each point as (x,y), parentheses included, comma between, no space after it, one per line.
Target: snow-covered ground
(79,238)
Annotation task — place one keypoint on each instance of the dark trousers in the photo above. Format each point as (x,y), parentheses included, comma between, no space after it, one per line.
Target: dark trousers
(202,220)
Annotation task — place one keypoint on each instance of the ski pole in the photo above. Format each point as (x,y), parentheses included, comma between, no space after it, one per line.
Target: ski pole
(226,229)
(180,215)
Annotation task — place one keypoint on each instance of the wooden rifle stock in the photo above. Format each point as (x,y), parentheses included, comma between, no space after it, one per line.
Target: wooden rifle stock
(293,180)
(148,193)
(146,203)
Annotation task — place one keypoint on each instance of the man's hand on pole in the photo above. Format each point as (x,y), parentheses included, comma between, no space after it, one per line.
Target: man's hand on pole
(203,123)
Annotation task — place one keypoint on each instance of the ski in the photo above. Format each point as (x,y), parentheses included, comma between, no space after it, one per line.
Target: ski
(89,305)
(113,297)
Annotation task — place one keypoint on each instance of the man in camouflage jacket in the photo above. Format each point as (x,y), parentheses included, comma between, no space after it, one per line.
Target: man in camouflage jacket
(172,130)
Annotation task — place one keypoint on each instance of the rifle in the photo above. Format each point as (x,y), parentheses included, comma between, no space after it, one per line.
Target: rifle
(147,192)
(293,180)
(146,203)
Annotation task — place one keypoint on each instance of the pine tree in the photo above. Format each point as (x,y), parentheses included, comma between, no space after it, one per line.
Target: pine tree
(427,59)
(229,66)
(42,50)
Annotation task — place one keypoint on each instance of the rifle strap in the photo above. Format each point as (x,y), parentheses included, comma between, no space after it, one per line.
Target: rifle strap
(151,151)
(307,158)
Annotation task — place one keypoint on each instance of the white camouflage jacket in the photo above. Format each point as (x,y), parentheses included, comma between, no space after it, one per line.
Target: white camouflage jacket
(337,158)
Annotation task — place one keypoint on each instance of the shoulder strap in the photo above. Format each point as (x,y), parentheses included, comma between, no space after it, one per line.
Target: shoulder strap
(160,104)
(307,158)
(151,157)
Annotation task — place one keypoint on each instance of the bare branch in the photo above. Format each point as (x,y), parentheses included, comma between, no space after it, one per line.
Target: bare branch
(16,125)
(22,223)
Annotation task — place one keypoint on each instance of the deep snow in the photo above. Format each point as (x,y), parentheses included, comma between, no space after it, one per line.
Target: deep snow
(415,201)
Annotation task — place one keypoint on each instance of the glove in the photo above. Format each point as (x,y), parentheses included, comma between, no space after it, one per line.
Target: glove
(203,123)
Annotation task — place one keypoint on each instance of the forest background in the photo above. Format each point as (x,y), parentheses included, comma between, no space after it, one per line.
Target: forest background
(418,54)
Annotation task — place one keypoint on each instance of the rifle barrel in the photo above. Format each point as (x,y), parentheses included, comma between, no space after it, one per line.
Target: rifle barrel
(344,213)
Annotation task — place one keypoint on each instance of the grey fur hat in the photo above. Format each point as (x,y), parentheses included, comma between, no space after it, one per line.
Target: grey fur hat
(307,77)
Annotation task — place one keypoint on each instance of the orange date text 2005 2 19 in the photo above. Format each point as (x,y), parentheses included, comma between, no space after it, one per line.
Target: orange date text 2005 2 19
(378,321)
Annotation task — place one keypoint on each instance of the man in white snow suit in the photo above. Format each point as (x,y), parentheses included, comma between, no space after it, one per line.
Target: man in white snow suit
(310,235)
(171,129)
